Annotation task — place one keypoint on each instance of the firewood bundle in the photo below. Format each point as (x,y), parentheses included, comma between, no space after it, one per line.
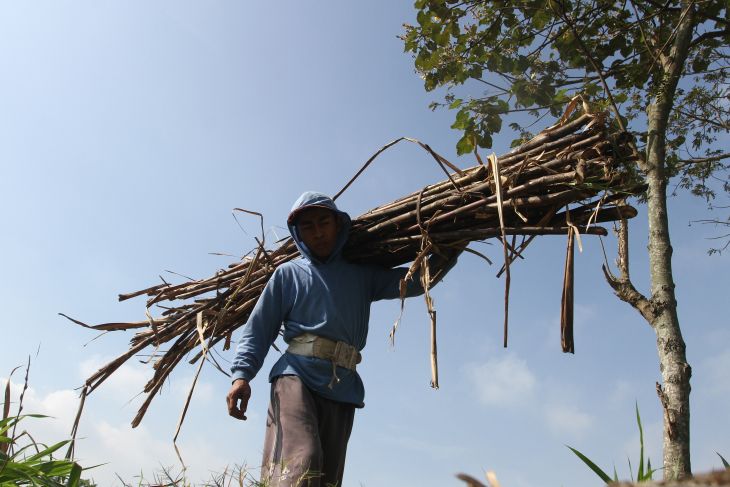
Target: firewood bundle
(564,181)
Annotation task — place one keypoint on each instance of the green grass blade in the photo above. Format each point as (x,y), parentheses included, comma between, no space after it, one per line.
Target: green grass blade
(724,462)
(55,468)
(20,452)
(649,471)
(7,423)
(596,469)
(631,469)
(6,401)
(74,478)
(48,451)
(14,471)
(640,473)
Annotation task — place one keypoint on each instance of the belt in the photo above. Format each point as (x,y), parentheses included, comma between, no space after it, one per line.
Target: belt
(341,354)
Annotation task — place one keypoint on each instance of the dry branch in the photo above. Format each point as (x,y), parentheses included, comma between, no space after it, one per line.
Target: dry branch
(578,163)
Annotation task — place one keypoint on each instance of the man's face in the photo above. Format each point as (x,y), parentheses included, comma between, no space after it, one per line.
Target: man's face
(318,228)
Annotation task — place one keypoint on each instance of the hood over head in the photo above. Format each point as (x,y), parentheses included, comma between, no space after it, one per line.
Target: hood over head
(314,199)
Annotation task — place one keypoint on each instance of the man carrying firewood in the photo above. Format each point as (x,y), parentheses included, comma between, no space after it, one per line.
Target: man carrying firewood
(323,302)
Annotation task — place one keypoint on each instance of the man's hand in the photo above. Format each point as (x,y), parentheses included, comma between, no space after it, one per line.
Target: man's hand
(240,391)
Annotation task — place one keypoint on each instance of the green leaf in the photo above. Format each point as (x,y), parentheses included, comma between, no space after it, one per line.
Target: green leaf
(593,89)
(54,468)
(7,423)
(649,471)
(48,451)
(462,120)
(621,97)
(493,123)
(596,469)
(74,478)
(485,140)
(523,63)
(456,103)
(540,18)
(421,60)
(700,63)
(465,145)
(640,473)
(724,462)
(631,469)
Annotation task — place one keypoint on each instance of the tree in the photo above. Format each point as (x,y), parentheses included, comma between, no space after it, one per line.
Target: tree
(660,66)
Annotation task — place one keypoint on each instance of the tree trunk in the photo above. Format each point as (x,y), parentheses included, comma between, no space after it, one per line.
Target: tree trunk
(674,394)
(676,372)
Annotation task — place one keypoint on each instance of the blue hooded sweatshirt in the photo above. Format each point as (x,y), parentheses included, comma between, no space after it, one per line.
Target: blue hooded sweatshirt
(328,298)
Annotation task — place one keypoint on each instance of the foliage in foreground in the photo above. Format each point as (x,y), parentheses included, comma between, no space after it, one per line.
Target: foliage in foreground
(645,472)
(24,461)
(33,463)
(238,476)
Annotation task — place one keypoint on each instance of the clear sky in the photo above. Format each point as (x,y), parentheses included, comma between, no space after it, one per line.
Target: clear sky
(128,133)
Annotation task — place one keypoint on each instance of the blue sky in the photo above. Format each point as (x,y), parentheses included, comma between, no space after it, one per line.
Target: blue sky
(130,130)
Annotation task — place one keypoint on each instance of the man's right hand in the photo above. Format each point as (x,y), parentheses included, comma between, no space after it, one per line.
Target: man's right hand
(240,391)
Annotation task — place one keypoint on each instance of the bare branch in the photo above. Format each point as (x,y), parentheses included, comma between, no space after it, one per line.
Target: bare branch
(622,286)
(701,160)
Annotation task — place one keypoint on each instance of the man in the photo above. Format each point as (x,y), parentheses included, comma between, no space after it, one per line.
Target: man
(323,302)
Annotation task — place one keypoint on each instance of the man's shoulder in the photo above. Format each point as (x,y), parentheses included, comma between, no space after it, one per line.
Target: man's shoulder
(302,265)
(293,266)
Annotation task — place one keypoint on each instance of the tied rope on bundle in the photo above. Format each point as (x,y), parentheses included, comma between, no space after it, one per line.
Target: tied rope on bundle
(522,194)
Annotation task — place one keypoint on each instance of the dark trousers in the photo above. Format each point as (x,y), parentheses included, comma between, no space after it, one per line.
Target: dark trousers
(306,437)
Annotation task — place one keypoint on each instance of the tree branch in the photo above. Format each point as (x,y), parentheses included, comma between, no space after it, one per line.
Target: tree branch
(496,87)
(564,14)
(701,160)
(665,7)
(622,286)
(719,20)
(644,38)
(722,125)
(674,31)
(709,35)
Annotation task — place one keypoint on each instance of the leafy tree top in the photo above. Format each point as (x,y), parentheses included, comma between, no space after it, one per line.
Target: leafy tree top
(533,56)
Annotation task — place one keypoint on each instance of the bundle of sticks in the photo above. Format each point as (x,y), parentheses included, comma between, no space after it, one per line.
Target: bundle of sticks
(562,182)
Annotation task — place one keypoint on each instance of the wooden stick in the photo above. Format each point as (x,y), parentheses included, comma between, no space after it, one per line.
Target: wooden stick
(575,162)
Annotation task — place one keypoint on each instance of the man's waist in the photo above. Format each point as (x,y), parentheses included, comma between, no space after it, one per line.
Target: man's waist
(339,353)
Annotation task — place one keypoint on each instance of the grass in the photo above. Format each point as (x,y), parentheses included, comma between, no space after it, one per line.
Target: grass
(238,476)
(644,474)
(25,461)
